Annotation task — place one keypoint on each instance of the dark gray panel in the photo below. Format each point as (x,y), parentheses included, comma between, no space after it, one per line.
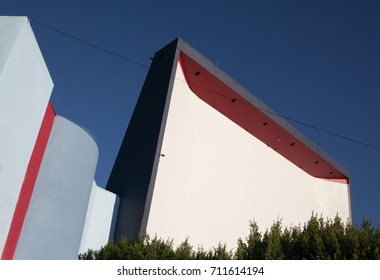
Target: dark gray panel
(134,167)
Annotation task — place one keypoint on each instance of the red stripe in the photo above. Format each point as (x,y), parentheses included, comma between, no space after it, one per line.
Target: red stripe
(228,102)
(28,184)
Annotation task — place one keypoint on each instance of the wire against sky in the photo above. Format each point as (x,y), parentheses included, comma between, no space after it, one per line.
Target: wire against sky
(211,91)
(291,119)
(89,44)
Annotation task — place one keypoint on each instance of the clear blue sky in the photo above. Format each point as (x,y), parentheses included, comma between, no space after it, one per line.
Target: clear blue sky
(314,61)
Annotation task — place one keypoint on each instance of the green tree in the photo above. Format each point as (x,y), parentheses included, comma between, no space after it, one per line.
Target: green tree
(317,239)
(252,247)
(272,242)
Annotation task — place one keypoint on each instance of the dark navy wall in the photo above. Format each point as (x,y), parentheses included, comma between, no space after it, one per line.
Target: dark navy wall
(133,170)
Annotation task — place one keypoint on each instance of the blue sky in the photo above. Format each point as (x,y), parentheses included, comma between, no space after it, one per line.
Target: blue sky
(317,62)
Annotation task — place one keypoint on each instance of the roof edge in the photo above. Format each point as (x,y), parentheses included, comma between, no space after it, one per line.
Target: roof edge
(247,95)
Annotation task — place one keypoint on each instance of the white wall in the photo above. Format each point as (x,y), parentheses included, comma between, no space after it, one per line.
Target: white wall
(100,219)
(215,177)
(54,223)
(25,88)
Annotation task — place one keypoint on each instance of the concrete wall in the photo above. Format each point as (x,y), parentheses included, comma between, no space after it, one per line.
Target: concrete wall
(214,177)
(25,88)
(55,219)
(100,219)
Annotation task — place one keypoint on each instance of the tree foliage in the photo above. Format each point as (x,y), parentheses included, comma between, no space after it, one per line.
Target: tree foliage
(317,239)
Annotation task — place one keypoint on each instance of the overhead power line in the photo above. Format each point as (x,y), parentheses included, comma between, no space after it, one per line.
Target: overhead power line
(89,44)
(325,131)
(211,91)
(290,119)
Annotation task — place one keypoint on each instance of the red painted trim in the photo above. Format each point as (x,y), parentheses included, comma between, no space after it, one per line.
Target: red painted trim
(228,102)
(342,181)
(28,184)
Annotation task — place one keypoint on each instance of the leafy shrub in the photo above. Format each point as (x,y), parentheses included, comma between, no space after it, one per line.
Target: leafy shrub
(317,239)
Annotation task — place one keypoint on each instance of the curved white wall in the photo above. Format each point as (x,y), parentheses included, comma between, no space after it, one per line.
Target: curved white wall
(215,177)
(46,173)
(25,88)
(56,215)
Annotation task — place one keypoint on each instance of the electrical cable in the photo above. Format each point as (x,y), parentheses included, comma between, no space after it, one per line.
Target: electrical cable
(89,44)
(211,91)
(289,119)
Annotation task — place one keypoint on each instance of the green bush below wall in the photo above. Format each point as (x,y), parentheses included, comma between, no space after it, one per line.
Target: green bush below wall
(317,239)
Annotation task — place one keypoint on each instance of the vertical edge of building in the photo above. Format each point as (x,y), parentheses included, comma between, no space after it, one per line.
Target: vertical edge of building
(100,222)
(132,176)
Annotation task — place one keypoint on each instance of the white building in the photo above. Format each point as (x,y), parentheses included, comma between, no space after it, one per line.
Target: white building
(202,157)
(47,163)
